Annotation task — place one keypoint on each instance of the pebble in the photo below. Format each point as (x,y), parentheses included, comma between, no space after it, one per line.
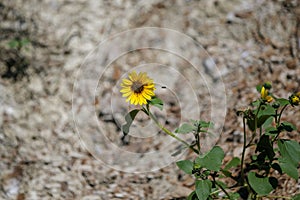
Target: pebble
(11,187)
(119,195)
(73,63)
(291,64)
(231,18)
(210,66)
(36,85)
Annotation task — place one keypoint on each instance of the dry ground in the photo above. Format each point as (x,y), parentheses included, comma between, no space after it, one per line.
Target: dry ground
(41,154)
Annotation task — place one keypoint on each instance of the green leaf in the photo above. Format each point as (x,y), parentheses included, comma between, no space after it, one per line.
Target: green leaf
(186,166)
(287,126)
(129,119)
(234,196)
(258,88)
(192,196)
(264,145)
(255,103)
(277,167)
(282,101)
(203,189)
(271,130)
(261,185)
(266,110)
(290,152)
(262,120)
(222,184)
(212,160)
(24,42)
(185,128)
(156,102)
(268,122)
(13,43)
(233,163)
(204,124)
(251,124)
(273,181)
(288,168)
(296,197)
(226,173)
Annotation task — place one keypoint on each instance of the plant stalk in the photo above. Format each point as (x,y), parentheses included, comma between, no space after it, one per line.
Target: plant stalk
(278,122)
(220,186)
(243,153)
(170,133)
(279,117)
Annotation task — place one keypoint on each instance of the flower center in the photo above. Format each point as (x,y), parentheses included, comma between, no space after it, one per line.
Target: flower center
(137,87)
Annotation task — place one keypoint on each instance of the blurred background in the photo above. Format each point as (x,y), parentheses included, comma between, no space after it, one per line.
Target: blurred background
(43,50)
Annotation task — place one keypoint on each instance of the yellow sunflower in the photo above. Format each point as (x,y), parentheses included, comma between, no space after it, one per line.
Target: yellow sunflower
(138,88)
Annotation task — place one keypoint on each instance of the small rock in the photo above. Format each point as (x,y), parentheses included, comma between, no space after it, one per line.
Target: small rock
(231,18)
(10,111)
(244,14)
(189,181)
(291,64)
(36,85)
(237,152)
(119,195)
(181,191)
(91,197)
(276,59)
(210,67)
(11,187)
(73,63)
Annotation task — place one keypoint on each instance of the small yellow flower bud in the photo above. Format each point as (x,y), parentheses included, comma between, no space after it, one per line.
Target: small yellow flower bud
(265,95)
(269,99)
(267,85)
(295,100)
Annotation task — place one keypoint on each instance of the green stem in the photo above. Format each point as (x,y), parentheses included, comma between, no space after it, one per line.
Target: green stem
(215,192)
(276,116)
(255,126)
(255,120)
(260,131)
(197,137)
(170,133)
(243,153)
(278,122)
(279,118)
(220,186)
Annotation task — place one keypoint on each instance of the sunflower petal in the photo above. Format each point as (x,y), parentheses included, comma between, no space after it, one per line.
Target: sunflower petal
(127,94)
(125,90)
(133,76)
(146,96)
(149,92)
(126,82)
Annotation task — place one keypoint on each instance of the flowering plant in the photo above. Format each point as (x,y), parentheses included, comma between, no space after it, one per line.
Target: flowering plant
(262,122)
